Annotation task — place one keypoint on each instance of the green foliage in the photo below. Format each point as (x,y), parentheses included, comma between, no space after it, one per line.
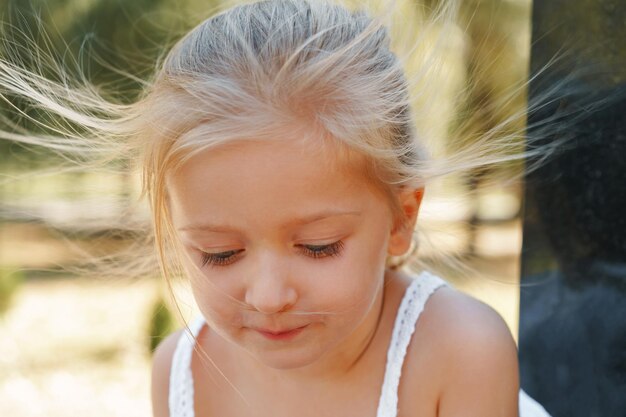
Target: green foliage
(111,44)
(162,323)
(9,282)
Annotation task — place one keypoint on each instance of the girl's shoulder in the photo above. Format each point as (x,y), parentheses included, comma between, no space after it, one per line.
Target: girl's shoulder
(464,351)
(452,316)
(161,367)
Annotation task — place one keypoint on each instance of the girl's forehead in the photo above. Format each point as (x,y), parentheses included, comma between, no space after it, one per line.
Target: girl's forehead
(247,157)
(276,177)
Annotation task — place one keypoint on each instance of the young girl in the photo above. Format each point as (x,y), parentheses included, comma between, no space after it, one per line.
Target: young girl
(285,177)
(293,175)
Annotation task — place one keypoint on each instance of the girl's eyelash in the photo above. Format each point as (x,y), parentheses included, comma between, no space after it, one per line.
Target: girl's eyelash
(322,251)
(220,258)
(313,251)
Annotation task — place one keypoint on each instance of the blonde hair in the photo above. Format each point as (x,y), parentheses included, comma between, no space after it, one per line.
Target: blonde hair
(246,73)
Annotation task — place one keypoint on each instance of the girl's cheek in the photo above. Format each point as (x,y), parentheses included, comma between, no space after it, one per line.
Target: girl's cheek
(352,279)
(207,288)
(215,289)
(217,305)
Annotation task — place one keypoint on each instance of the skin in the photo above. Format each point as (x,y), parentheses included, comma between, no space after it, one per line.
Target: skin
(274,264)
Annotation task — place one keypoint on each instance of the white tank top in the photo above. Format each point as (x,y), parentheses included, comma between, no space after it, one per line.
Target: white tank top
(181,393)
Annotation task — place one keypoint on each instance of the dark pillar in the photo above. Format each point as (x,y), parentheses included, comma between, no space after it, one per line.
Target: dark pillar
(573,294)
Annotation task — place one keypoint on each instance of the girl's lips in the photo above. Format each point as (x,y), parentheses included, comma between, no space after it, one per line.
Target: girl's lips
(281,334)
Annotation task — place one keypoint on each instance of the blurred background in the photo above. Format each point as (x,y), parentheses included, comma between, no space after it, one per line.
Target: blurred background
(81,345)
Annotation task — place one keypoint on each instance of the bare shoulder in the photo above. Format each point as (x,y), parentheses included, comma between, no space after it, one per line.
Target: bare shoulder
(474,353)
(161,366)
(461,317)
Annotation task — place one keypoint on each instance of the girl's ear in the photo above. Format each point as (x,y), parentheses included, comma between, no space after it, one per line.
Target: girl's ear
(402,233)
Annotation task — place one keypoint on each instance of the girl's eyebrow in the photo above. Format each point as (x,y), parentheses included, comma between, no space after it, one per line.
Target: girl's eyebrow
(207,227)
(322,216)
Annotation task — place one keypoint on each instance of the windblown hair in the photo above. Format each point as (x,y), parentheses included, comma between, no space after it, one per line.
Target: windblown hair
(257,69)
(250,72)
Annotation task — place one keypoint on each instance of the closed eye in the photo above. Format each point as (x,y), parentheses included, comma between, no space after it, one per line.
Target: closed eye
(314,251)
(322,251)
(220,258)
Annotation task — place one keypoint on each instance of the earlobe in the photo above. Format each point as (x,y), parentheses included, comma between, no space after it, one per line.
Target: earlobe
(402,234)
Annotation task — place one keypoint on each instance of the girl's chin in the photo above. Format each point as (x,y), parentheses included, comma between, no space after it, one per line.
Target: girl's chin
(286,360)
(275,353)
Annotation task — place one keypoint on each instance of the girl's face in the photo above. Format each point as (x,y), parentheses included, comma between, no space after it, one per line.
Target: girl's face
(290,246)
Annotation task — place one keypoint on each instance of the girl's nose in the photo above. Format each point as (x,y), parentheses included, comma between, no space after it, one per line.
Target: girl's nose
(269,289)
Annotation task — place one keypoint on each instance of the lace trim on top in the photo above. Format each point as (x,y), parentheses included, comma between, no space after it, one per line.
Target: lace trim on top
(410,309)
(181,379)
